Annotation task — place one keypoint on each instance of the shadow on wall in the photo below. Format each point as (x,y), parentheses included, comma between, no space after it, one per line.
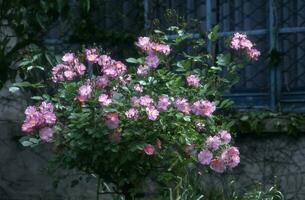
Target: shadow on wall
(23,174)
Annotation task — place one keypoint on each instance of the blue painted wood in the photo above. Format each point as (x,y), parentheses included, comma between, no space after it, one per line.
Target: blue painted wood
(146,11)
(273,77)
(209,21)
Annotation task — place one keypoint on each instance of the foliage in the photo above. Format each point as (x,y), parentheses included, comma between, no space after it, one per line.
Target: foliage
(23,26)
(26,24)
(260,123)
(126,124)
(190,187)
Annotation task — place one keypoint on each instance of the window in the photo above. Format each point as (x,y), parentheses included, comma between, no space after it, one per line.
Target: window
(278,29)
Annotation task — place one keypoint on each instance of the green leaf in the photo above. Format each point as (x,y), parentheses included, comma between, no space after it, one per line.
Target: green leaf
(179,115)
(34,140)
(14,89)
(216,68)
(132,60)
(38,98)
(25,63)
(26,143)
(187,118)
(213,35)
(223,59)
(244,118)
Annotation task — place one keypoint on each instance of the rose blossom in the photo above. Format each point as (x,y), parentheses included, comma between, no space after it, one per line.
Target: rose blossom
(101,81)
(69,75)
(217,165)
(182,105)
(161,48)
(132,113)
(145,101)
(253,54)
(37,117)
(104,60)
(104,100)
(144,43)
(112,68)
(230,157)
(225,136)
(138,88)
(143,70)
(46,134)
(203,108)
(213,143)
(80,68)
(205,157)
(46,109)
(112,120)
(92,55)
(135,101)
(84,93)
(193,81)
(70,69)
(240,41)
(163,103)
(68,57)
(152,60)
(149,149)
(152,113)
(32,120)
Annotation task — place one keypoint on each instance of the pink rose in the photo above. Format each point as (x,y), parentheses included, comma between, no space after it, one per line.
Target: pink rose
(112,120)
(46,134)
(217,165)
(205,157)
(149,149)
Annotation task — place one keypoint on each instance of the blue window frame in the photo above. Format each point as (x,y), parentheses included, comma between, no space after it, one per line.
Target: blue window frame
(276,26)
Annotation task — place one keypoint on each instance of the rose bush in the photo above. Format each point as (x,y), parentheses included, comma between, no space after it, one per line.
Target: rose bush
(151,118)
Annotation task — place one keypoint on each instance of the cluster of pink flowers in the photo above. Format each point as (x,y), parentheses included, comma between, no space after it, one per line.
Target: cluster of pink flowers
(193,81)
(84,92)
(104,100)
(240,41)
(152,60)
(125,79)
(228,158)
(42,118)
(152,113)
(101,81)
(203,108)
(148,103)
(92,55)
(151,49)
(145,101)
(138,88)
(111,68)
(182,105)
(163,103)
(69,70)
(112,120)
(147,45)
(132,113)
(143,70)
